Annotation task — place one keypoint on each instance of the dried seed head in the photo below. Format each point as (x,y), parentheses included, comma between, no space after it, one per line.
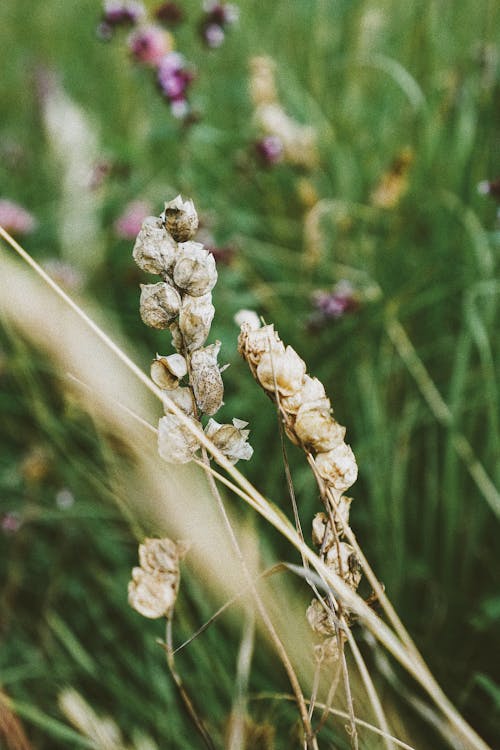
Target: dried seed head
(176,443)
(320,618)
(177,338)
(231,440)
(152,595)
(206,379)
(286,369)
(154,249)
(195,271)
(249,317)
(252,343)
(317,428)
(328,652)
(167,371)
(312,390)
(321,524)
(162,555)
(180,219)
(195,319)
(159,304)
(338,467)
(342,559)
(183,398)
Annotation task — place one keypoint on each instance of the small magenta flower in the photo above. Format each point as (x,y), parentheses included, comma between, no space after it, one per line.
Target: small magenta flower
(15,219)
(270,149)
(149,45)
(340,300)
(169,13)
(217,17)
(117,13)
(10,522)
(174,78)
(128,225)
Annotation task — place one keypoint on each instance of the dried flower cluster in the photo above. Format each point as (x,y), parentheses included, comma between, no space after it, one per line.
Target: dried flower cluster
(282,139)
(182,303)
(308,421)
(153,589)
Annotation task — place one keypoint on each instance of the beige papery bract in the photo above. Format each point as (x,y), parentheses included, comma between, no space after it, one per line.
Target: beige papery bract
(153,589)
(180,219)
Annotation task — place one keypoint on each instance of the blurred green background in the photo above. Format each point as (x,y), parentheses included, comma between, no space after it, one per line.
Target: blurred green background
(402,92)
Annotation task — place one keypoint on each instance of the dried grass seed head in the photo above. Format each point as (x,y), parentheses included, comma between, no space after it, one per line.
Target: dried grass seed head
(154,249)
(206,379)
(230,439)
(180,219)
(311,391)
(195,318)
(281,370)
(338,467)
(176,442)
(167,371)
(194,270)
(252,342)
(316,428)
(159,304)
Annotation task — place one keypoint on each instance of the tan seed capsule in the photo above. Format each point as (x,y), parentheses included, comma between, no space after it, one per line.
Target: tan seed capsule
(252,342)
(283,370)
(195,319)
(183,398)
(180,219)
(159,304)
(154,249)
(320,619)
(161,555)
(317,429)
(321,523)
(206,379)
(167,371)
(176,443)
(338,467)
(342,559)
(312,390)
(230,439)
(195,271)
(150,594)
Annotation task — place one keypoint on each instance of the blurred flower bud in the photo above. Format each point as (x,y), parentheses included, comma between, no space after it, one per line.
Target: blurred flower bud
(149,45)
(154,250)
(206,379)
(195,271)
(159,304)
(176,443)
(338,467)
(180,219)
(167,371)
(231,440)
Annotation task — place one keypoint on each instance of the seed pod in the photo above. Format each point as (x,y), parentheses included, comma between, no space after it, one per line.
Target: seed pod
(252,343)
(195,319)
(321,524)
(195,271)
(317,429)
(320,619)
(180,219)
(328,651)
(159,304)
(167,371)
(230,439)
(154,249)
(151,594)
(161,555)
(206,379)
(176,443)
(338,467)
(342,559)
(183,398)
(312,390)
(286,369)
(177,338)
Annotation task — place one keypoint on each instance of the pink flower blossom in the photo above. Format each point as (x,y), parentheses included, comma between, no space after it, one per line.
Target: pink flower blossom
(149,45)
(15,219)
(127,225)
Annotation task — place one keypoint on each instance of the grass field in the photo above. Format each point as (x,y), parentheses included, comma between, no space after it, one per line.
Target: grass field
(402,102)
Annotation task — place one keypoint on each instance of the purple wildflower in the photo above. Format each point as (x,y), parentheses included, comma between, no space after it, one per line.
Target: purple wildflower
(336,303)
(270,149)
(149,45)
(127,225)
(217,17)
(15,219)
(213,35)
(170,14)
(174,78)
(10,522)
(117,13)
